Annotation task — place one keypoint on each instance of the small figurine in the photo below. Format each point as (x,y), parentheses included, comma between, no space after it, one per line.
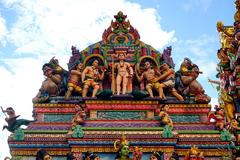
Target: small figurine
(218,116)
(137,153)
(70,156)
(174,156)
(225,34)
(166,57)
(79,117)
(164,117)
(194,154)
(90,77)
(157,156)
(123,149)
(91,156)
(124,72)
(75,78)
(43,155)
(13,122)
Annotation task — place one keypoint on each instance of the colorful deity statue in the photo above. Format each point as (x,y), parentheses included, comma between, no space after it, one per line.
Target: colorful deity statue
(218,116)
(165,119)
(137,153)
(167,81)
(225,35)
(74,80)
(174,156)
(157,156)
(79,117)
(50,86)
(187,84)
(166,57)
(91,156)
(150,75)
(123,149)
(12,121)
(194,154)
(91,76)
(124,72)
(43,155)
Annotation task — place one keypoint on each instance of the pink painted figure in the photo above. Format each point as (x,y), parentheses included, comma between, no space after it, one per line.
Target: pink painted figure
(124,72)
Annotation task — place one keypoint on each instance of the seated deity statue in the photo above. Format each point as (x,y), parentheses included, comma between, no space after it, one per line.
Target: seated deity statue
(150,76)
(50,86)
(91,76)
(167,81)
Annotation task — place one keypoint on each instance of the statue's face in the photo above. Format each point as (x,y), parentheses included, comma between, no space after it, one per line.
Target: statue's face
(125,150)
(147,65)
(121,56)
(80,66)
(47,71)
(95,63)
(47,157)
(97,158)
(153,157)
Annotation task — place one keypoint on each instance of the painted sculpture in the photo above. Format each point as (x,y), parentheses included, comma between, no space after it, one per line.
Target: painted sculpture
(157,156)
(115,87)
(50,86)
(194,154)
(12,121)
(91,76)
(187,83)
(123,149)
(74,80)
(218,116)
(124,73)
(150,75)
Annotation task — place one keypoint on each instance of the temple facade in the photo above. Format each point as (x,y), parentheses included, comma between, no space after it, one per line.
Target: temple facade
(122,99)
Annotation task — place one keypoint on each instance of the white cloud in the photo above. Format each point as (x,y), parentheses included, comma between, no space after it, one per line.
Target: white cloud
(47,27)
(18,87)
(3,31)
(214,101)
(197,4)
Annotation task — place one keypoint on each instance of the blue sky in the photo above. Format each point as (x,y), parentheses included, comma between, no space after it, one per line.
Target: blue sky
(31,32)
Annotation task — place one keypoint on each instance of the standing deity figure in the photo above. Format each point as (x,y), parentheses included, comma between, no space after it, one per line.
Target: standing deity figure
(137,153)
(73,82)
(90,77)
(124,72)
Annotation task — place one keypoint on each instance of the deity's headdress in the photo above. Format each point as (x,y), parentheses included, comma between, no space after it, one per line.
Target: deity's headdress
(122,142)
